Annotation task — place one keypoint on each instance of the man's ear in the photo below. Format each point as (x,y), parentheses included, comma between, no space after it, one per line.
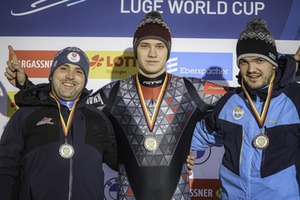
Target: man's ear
(50,78)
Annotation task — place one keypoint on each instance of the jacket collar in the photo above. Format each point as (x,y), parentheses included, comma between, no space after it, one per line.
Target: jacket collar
(39,95)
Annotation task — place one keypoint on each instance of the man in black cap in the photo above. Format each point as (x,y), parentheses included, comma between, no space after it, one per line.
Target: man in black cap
(54,145)
(258,123)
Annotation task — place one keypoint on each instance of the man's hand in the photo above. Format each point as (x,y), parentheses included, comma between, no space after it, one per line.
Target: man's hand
(190,163)
(14,69)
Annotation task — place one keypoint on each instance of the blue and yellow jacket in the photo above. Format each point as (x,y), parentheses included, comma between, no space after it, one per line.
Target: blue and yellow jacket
(247,172)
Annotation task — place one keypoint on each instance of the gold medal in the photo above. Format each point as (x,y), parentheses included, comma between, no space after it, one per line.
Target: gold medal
(66,151)
(261,141)
(151,143)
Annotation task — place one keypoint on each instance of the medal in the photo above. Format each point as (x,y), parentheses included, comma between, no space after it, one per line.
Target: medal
(261,141)
(66,151)
(151,143)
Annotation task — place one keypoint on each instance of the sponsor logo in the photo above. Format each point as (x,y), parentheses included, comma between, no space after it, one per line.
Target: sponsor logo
(238,112)
(112,64)
(152,82)
(205,188)
(95,99)
(210,88)
(73,57)
(201,65)
(36,64)
(11,105)
(218,193)
(37,8)
(111,189)
(271,121)
(201,156)
(272,56)
(45,120)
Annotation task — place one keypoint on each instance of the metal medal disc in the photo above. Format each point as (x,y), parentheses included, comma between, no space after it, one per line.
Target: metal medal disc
(261,141)
(66,151)
(151,143)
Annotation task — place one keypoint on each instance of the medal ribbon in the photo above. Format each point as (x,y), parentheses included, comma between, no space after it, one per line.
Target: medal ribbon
(260,118)
(150,120)
(65,127)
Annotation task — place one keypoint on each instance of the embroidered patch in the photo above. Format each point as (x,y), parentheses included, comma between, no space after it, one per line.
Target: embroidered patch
(46,120)
(238,112)
(73,57)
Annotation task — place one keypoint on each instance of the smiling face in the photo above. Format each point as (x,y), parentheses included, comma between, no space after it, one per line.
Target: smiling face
(256,72)
(67,82)
(152,57)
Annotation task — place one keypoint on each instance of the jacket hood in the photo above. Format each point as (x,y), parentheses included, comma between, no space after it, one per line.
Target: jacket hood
(39,95)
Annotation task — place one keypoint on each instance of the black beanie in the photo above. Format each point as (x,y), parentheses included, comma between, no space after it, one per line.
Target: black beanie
(257,41)
(152,27)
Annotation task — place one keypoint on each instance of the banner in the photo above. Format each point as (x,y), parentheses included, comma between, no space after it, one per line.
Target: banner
(204,36)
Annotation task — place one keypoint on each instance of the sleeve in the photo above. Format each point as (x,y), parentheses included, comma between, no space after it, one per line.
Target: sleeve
(105,95)
(11,146)
(209,131)
(110,155)
(203,139)
(287,65)
(27,85)
(204,93)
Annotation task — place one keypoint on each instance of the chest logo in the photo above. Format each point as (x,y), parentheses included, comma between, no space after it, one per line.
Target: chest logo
(238,112)
(45,120)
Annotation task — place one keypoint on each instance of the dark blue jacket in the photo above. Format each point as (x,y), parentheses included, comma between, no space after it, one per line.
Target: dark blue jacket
(30,164)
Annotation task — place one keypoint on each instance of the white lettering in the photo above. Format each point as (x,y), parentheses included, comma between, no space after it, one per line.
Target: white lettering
(145,6)
(201,192)
(122,8)
(175,6)
(208,9)
(245,8)
(259,6)
(158,6)
(220,3)
(186,7)
(215,71)
(248,9)
(136,6)
(234,8)
(192,7)
(200,7)
(132,7)
(36,63)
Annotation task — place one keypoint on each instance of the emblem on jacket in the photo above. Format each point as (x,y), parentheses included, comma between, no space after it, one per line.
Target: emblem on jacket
(45,120)
(238,112)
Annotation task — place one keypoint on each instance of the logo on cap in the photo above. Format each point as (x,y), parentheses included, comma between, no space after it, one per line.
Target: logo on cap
(73,57)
